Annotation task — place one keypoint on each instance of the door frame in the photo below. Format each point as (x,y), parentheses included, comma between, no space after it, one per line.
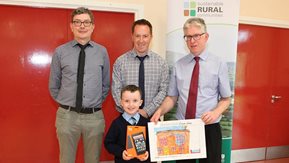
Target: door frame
(138,10)
(263,22)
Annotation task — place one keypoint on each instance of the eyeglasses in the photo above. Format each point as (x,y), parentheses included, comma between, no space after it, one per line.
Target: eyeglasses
(195,37)
(78,23)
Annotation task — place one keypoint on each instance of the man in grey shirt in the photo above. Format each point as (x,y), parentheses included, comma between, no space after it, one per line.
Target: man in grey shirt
(156,70)
(85,120)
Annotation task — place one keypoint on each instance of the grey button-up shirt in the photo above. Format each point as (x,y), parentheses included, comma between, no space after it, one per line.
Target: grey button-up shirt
(63,74)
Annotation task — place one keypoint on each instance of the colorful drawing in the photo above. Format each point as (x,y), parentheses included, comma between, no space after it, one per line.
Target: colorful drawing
(173,142)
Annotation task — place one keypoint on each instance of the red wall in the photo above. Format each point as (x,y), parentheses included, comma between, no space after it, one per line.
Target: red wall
(27,114)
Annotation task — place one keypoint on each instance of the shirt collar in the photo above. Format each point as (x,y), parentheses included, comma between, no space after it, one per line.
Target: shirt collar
(203,56)
(127,116)
(134,53)
(74,43)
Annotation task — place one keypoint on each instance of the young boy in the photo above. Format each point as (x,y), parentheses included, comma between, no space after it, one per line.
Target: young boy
(115,140)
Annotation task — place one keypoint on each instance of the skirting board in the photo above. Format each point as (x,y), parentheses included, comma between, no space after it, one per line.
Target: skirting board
(255,154)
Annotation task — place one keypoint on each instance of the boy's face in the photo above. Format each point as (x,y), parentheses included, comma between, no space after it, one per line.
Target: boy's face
(131,101)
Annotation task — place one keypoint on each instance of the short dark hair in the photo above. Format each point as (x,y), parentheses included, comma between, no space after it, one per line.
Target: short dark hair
(130,88)
(82,10)
(142,22)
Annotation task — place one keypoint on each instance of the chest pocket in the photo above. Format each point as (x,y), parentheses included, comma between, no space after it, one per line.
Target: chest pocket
(208,84)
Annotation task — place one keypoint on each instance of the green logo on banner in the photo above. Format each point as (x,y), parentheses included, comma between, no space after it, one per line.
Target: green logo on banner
(189,8)
(193,13)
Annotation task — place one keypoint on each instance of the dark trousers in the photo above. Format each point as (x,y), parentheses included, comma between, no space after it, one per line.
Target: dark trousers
(213,145)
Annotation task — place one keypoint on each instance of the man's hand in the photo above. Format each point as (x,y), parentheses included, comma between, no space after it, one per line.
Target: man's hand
(210,117)
(143,113)
(155,118)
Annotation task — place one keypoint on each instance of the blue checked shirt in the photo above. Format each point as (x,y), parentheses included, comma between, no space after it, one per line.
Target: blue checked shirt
(126,70)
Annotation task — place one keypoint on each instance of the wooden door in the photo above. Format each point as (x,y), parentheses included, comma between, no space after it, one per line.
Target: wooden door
(262,71)
(27,113)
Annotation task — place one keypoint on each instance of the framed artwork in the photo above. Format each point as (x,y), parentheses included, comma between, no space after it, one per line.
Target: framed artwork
(177,140)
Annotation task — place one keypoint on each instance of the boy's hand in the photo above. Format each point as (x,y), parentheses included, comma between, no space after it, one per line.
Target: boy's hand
(125,155)
(144,157)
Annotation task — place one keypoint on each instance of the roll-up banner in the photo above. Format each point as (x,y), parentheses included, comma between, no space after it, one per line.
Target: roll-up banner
(221,17)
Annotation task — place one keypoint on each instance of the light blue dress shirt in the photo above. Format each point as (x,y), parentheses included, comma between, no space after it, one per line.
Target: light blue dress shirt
(213,83)
(127,117)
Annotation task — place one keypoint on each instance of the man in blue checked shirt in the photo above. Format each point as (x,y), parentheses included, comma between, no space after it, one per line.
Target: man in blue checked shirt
(127,70)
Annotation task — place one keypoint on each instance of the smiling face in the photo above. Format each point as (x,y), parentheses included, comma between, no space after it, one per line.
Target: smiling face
(196,46)
(82,33)
(141,38)
(131,101)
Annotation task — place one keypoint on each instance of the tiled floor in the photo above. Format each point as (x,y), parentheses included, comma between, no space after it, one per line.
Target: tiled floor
(283,160)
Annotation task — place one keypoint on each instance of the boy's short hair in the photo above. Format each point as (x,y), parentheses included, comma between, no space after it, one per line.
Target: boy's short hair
(130,88)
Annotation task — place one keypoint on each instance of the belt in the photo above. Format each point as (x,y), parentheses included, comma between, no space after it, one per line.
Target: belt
(82,110)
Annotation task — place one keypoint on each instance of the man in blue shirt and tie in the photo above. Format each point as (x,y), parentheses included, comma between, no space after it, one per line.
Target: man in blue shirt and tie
(213,90)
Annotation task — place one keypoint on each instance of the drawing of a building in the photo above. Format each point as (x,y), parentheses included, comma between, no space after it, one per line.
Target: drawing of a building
(173,142)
